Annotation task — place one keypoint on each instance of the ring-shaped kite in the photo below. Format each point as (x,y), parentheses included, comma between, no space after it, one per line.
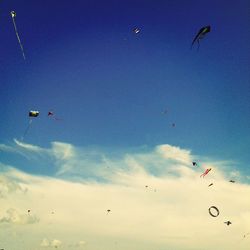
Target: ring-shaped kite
(214,214)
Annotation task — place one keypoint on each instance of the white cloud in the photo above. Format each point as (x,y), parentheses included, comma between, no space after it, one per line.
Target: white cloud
(14,216)
(175,153)
(8,186)
(170,213)
(81,243)
(28,147)
(53,243)
(6,148)
(45,243)
(56,243)
(63,151)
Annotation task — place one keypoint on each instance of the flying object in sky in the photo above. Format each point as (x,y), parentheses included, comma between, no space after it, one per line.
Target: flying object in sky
(194,163)
(228,222)
(52,115)
(245,235)
(206,172)
(33,113)
(211,184)
(200,35)
(232,181)
(108,211)
(13,16)
(214,211)
(136,30)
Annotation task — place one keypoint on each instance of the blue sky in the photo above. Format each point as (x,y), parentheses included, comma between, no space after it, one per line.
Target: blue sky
(110,86)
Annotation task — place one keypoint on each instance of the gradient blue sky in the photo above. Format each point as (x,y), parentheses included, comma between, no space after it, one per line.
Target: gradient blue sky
(110,86)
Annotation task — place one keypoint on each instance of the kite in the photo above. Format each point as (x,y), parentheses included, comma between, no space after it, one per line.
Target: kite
(202,32)
(210,184)
(108,211)
(28,210)
(232,181)
(194,163)
(206,172)
(52,115)
(216,210)
(13,15)
(136,30)
(173,125)
(32,114)
(228,222)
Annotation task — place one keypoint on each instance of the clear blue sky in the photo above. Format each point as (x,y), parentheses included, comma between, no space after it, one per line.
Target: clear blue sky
(110,86)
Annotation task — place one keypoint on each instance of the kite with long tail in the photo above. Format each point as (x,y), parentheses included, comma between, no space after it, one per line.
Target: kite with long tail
(201,33)
(52,115)
(13,15)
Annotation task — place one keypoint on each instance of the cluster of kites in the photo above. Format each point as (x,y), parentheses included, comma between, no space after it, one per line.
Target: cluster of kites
(35,113)
(213,210)
(200,35)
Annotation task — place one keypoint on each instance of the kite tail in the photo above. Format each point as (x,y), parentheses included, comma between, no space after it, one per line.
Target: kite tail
(198,45)
(56,118)
(26,130)
(18,38)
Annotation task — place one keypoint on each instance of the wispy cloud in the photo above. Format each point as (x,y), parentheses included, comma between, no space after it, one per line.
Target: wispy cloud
(175,153)
(28,147)
(63,151)
(70,161)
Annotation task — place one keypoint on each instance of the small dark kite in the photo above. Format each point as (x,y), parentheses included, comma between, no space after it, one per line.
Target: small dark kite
(200,35)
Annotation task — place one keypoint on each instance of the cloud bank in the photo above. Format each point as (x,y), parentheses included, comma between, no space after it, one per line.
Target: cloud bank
(156,199)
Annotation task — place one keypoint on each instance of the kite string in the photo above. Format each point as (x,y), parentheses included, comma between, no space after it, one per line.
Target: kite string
(18,38)
(27,129)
